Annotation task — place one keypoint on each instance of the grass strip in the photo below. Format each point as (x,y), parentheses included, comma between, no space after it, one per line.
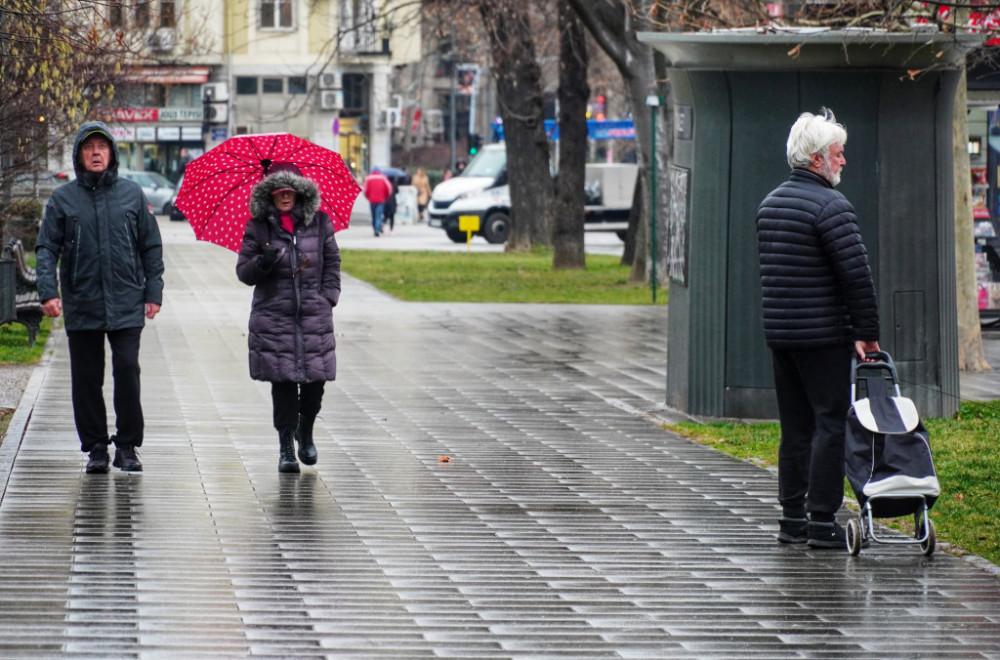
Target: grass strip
(521,277)
(966,515)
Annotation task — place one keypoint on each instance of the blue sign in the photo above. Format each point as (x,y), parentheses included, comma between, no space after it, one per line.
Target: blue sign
(608,129)
(218,134)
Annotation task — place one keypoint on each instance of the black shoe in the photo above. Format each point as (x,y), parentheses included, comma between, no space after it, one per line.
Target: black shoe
(827,535)
(98,463)
(307,448)
(792,530)
(286,455)
(127,458)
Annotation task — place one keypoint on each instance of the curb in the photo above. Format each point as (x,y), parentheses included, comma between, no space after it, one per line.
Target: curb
(22,415)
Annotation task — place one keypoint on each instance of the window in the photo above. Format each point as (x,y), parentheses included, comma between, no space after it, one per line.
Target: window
(354,91)
(142,14)
(246,85)
(168,15)
(183,96)
(276,14)
(116,18)
(297,85)
(272,85)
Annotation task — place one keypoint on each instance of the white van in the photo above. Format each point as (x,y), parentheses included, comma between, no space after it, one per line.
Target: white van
(486,173)
(481,189)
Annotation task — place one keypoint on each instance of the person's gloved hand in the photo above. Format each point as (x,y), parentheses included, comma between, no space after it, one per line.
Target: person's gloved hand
(267,258)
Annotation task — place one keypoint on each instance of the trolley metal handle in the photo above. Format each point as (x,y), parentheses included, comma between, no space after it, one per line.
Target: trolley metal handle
(883,362)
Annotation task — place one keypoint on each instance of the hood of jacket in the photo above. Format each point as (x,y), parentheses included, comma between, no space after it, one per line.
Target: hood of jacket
(306,195)
(86,130)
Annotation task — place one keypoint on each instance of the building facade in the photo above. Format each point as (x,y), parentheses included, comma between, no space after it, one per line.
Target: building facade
(211,69)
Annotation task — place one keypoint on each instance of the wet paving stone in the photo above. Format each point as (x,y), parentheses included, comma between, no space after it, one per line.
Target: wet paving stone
(565,525)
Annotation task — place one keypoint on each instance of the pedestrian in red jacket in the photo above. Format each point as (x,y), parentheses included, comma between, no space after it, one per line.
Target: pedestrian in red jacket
(377,190)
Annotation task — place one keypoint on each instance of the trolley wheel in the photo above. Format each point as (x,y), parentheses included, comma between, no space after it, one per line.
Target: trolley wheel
(930,543)
(854,537)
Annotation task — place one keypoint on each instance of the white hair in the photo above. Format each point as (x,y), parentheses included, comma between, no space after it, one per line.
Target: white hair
(813,134)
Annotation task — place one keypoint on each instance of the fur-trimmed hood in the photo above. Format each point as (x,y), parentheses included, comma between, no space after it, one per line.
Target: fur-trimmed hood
(306,195)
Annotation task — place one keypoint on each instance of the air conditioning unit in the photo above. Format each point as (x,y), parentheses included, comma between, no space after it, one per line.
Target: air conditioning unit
(389,118)
(331,80)
(331,100)
(215,92)
(162,41)
(217,113)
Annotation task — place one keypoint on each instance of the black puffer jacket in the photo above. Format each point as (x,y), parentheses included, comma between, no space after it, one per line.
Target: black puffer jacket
(99,231)
(291,322)
(816,281)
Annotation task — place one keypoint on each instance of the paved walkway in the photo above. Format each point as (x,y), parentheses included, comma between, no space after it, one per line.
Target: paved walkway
(566,524)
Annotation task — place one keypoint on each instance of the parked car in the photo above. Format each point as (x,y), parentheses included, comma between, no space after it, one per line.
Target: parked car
(158,189)
(481,190)
(37,184)
(175,213)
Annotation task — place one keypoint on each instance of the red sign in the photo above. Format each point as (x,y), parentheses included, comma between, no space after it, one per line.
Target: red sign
(136,114)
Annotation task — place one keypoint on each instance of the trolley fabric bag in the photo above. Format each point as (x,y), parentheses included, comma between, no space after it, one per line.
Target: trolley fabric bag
(887,449)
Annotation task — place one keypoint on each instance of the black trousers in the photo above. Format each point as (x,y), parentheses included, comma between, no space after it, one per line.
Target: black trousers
(86,362)
(813,388)
(293,399)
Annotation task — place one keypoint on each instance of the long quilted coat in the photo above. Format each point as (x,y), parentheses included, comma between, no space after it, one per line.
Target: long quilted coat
(291,321)
(816,282)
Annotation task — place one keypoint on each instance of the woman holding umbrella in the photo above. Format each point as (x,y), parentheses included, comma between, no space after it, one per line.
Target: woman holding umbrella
(290,256)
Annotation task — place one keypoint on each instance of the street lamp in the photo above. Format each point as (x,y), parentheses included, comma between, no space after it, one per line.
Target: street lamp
(653,102)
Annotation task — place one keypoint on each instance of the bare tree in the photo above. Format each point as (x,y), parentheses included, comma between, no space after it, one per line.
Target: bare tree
(519,94)
(573,95)
(57,63)
(614,24)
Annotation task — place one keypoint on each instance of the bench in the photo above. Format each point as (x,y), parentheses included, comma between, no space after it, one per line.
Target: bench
(26,302)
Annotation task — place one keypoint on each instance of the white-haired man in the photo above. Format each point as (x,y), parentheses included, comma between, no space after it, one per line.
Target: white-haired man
(819,306)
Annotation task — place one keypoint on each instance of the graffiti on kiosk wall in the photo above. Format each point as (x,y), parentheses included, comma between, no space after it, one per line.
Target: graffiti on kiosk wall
(677,224)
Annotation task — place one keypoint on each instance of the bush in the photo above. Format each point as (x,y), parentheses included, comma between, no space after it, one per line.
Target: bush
(21,219)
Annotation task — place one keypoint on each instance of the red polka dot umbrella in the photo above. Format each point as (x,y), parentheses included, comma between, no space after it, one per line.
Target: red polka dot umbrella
(215,195)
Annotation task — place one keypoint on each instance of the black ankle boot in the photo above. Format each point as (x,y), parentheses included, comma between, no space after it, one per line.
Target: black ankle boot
(307,450)
(286,457)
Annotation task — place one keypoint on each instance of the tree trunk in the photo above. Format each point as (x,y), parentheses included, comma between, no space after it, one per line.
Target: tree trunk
(521,107)
(612,24)
(970,340)
(568,239)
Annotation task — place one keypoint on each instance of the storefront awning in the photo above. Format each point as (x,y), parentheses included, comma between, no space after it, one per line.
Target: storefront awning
(169,75)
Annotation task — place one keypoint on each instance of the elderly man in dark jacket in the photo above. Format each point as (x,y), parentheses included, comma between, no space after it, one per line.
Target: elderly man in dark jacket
(290,256)
(100,234)
(819,307)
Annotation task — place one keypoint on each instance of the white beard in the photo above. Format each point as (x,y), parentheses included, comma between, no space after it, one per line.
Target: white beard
(825,172)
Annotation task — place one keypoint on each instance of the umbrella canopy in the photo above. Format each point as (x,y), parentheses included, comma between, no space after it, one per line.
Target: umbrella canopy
(215,195)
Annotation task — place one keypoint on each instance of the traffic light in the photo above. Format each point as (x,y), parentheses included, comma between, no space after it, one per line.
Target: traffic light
(475,142)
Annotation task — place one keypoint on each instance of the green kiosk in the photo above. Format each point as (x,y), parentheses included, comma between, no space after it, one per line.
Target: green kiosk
(736,94)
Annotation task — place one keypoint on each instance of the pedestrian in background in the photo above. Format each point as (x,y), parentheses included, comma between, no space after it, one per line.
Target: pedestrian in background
(390,205)
(291,258)
(819,308)
(377,190)
(422,183)
(99,233)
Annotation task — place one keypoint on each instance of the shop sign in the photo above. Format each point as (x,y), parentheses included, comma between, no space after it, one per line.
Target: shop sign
(191,133)
(168,133)
(123,133)
(181,114)
(136,114)
(145,134)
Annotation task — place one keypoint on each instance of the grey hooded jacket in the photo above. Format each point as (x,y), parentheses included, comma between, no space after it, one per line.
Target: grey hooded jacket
(99,232)
(291,321)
